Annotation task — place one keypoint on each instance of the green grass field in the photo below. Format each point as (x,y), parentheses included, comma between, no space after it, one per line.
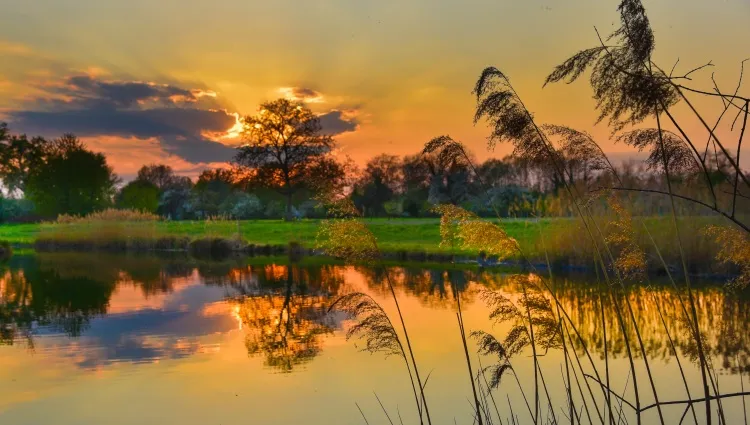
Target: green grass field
(392,234)
(559,240)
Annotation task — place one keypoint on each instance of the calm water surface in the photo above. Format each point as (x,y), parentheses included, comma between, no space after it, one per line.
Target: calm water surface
(104,339)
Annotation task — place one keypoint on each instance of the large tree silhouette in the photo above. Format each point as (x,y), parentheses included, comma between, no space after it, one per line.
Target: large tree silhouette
(286,148)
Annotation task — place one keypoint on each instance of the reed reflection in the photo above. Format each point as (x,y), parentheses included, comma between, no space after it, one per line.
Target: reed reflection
(723,319)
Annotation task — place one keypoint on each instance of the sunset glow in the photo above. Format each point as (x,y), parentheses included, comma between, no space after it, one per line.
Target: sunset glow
(400,73)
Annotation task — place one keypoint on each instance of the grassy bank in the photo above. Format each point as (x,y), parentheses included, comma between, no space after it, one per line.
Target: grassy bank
(392,234)
(563,240)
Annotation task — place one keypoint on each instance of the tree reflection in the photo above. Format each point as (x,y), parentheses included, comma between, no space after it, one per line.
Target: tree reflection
(285,314)
(32,296)
(282,308)
(435,288)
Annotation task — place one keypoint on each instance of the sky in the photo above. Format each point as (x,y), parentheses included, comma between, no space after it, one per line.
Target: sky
(167,81)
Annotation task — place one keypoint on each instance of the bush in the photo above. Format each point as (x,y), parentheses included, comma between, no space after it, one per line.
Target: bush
(16,210)
(241,206)
(311,209)
(139,195)
(274,209)
(174,204)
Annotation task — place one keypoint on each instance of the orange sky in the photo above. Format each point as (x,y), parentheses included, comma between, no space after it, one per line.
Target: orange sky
(393,75)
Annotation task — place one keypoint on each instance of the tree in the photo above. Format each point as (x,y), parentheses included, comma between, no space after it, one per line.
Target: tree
(72,180)
(284,143)
(139,195)
(19,155)
(388,169)
(381,182)
(175,203)
(160,175)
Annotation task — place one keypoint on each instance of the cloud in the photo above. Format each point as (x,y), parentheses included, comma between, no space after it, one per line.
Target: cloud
(16,49)
(339,121)
(190,125)
(302,94)
(179,118)
(89,91)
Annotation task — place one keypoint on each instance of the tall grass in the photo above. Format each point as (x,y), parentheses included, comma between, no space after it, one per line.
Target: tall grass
(111,229)
(629,88)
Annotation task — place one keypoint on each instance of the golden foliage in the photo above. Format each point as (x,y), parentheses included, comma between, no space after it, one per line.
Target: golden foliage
(631,259)
(347,238)
(467,230)
(734,249)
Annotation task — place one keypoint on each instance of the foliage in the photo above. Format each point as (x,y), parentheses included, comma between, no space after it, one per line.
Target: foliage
(139,195)
(163,177)
(241,206)
(462,228)
(175,204)
(19,156)
(73,180)
(735,249)
(16,210)
(286,149)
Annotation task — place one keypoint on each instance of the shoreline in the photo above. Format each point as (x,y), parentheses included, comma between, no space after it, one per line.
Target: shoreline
(222,248)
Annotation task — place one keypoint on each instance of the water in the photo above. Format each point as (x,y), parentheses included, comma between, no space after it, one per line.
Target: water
(104,339)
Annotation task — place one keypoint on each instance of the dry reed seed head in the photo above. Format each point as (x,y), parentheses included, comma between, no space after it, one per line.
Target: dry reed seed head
(579,145)
(663,146)
(342,207)
(373,325)
(347,238)
(533,309)
(734,248)
(466,229)
(500,107)
(630,259)
(446,150)
(625,89)
(489,345)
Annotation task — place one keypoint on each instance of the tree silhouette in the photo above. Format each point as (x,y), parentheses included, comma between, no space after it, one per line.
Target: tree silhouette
(285,147)
(71,180)
(19,155)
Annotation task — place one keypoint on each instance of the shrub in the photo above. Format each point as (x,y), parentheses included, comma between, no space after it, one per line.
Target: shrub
(139,195)
(242,206)
(16,210)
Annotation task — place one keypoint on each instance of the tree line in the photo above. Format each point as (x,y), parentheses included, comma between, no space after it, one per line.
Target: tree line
(287,162)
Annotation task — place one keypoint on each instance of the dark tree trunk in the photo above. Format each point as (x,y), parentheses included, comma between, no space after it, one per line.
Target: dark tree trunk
(288,216)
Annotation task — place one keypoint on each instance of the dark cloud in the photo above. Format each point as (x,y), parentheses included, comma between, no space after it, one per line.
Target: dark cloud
(88,107)
(84,90)
(303,94)
(184,121)
(337,122)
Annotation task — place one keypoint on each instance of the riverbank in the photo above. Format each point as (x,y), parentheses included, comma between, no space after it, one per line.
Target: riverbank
(560,241)
(411,235)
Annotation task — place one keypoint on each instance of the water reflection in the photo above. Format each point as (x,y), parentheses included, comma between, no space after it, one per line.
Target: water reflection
(285,313)
(96,310)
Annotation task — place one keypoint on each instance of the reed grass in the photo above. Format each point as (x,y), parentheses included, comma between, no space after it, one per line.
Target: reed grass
(621,247)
